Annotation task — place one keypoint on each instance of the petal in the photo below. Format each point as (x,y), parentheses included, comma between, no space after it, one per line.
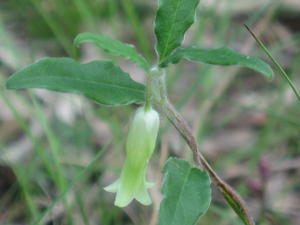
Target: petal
(113,187)
(143,196)
(123,199)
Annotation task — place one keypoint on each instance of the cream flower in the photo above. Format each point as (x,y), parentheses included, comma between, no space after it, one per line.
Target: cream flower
(140,145)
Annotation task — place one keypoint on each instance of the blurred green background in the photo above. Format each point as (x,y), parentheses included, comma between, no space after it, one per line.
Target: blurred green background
(247,127)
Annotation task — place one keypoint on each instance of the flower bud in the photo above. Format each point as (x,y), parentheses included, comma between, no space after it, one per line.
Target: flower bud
(140,145)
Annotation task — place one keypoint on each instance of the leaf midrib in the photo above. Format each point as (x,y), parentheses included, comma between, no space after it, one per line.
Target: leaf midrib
(109,44)
(173,24)
(184,183)
(81,80)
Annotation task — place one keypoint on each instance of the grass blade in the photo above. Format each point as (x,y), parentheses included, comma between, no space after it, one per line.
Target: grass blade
(81,175)
(278,66)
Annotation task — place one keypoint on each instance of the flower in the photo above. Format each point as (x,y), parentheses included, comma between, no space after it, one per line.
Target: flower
(140,145)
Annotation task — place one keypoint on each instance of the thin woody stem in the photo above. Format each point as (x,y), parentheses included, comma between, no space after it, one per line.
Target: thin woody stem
(230,195)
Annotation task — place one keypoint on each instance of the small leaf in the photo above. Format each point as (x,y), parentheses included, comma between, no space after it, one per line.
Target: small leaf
(101,81)
(187,194)
(220,56)
(173,18)
(114,47)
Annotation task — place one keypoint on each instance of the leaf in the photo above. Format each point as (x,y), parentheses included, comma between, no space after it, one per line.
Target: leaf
(101,81)
(220,56)
(187,194)
(114,47)
(173,18)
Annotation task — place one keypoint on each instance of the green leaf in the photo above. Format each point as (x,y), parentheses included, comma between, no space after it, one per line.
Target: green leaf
(101,81)
(173,18)
(187,194)
(114,47)
(220,56)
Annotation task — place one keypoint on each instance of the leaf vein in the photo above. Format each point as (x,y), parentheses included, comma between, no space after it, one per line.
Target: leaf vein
(172,27)
(85,81)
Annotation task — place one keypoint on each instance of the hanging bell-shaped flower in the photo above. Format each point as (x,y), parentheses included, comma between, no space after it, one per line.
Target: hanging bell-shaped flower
(140,145)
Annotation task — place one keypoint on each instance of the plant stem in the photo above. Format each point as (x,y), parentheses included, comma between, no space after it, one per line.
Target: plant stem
(230,195)
(155,78)
(148,93)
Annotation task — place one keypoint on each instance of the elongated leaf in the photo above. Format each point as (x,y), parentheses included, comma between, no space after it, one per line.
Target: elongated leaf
(114,47)
(173,18)
(101,81)
(187,194)
(220,56)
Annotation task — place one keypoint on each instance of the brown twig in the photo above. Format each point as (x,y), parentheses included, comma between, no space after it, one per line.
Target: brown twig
(162,103)
(233,198)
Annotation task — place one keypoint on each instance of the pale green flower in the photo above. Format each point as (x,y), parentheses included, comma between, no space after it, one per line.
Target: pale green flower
(140,145)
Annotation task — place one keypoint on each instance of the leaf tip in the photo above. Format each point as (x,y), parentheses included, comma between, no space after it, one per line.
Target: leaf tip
(9,84)
(77,40)
(271,75)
